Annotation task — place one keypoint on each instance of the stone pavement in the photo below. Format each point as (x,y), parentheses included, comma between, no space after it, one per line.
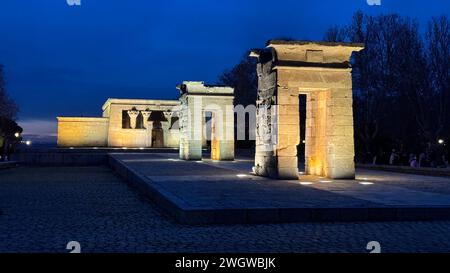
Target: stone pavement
(45,208)
(226,192)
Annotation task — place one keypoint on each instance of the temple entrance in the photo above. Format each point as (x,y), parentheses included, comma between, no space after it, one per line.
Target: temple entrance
(158,120)
(198,102)
(215,144)
(302,144)
(157,135)
(322,71)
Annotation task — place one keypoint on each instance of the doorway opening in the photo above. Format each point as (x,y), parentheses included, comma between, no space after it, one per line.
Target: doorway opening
(157,135)
(157,117)
(212,140)
(301,148)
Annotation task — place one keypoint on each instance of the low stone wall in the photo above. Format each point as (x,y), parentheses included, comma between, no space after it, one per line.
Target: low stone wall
(405,169)
(8,165)
(74,157)
(82,132)
(54,158)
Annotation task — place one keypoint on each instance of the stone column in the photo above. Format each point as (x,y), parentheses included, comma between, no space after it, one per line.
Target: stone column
(265,150)
(133,114)
(168,115)
(166,127)
(316,156)
(146,114)
(288,133)
(205,131)
(190,139)
(340,134)
(149,126)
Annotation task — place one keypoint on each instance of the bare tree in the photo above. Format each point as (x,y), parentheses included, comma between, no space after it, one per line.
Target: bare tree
(244,80)
(8,108)
(390,80)
(438,39)
(335,34)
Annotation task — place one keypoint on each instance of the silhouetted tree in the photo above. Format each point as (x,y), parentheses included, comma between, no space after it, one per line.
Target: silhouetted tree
(335,34)
(8,108)
(9,136)
(392,94)
(244,79)
(438,40)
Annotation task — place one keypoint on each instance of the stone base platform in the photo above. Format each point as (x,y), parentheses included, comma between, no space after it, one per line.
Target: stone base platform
(76,156)
(8,164)
(207,192)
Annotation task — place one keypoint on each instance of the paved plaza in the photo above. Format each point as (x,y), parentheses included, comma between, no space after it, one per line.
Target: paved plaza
(212,192)
(43,208)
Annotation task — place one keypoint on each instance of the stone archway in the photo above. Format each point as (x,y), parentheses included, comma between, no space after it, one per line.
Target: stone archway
(321,71)
(197,99)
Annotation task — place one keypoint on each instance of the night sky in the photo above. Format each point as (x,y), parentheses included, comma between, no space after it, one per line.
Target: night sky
(63,60)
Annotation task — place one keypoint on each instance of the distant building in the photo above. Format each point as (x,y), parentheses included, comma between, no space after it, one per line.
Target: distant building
(129,123)
(141,123)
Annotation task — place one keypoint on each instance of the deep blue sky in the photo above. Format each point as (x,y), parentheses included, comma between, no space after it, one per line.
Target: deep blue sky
(65,60)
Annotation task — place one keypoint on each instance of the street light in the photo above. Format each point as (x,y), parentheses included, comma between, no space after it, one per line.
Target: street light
(441,141)
(17,135)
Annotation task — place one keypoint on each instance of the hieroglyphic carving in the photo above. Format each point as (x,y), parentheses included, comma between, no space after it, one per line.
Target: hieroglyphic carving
(264,121)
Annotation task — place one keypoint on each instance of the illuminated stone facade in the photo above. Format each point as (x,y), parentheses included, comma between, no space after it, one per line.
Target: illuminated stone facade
(125,123)
(322,72)
(197,100)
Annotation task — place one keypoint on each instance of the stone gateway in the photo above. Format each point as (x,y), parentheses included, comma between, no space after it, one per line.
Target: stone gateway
(322,72)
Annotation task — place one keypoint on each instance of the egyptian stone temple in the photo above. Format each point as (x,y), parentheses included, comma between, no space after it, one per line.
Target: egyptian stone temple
(136,123)
(322,72)
(286,70)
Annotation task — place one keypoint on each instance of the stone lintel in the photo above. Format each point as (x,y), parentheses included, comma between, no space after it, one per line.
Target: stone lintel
(81,119)
(141,102)
(199,88)
(308,54)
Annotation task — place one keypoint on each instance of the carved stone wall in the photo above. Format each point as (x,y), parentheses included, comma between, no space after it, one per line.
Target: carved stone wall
(266,126)
(322,72)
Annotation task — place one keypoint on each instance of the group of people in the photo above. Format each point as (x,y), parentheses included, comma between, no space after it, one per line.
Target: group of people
(10,137)
(428,159)
(6,150)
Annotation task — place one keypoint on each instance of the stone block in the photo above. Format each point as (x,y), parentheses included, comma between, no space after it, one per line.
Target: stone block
(288,129)
(287,99)
(287,151)
(289,119)
(288,173)
(287,162)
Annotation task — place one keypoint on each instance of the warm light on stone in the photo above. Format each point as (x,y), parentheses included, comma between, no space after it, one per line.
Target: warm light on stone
(321,71)
(196,100)
(326,181)
(108,131)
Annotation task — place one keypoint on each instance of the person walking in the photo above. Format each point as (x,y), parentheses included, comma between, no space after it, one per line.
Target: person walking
(393,158)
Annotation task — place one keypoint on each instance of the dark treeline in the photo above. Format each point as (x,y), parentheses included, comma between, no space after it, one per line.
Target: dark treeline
(401,88)
(9,130)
